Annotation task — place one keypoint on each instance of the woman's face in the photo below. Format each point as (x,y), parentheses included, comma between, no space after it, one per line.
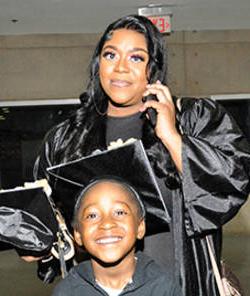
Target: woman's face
(123,70)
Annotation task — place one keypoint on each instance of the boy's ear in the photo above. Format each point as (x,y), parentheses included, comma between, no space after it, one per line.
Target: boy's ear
(141,229)
(78,237)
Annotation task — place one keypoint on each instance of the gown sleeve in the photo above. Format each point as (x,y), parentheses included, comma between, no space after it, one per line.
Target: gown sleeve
(48,154)
(216,165)
(44,159)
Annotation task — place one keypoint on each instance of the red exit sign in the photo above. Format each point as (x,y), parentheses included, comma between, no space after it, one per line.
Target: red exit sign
(162,22)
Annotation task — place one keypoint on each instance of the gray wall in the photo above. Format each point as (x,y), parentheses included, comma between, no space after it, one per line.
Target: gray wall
(210,62)
(55,67)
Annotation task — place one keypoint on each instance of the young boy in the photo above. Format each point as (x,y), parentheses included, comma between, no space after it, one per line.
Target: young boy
(108,220)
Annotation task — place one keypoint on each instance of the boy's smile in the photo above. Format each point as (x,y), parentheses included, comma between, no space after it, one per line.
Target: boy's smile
(108,240)
(108,223)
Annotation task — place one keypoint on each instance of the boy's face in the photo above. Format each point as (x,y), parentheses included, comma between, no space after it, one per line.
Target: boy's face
(108,221)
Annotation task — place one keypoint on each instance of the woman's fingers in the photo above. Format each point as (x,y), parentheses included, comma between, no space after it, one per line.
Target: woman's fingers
(31,258)
(159,94)
(161,91)
(151,104)
(161,103)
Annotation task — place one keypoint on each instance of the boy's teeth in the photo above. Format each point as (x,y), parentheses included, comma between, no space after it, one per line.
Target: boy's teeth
(108,240)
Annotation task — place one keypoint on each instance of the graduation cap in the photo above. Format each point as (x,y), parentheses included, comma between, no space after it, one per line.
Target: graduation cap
(27,221)
(128,162)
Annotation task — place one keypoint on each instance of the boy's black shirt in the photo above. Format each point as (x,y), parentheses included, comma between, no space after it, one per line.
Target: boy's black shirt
(149,279)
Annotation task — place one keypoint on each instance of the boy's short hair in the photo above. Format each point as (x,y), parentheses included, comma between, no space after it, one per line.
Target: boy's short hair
(132,192)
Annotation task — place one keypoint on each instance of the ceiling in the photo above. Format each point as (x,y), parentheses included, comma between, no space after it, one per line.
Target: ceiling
(92,16)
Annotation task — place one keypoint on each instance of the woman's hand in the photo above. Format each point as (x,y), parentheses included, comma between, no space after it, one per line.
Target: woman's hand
(165,128)
(164,107)
(31,258)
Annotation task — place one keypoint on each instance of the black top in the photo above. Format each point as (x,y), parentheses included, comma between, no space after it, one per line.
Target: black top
(149,279)
(124,128)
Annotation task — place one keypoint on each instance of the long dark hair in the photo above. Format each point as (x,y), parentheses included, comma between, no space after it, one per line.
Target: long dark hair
(94,100)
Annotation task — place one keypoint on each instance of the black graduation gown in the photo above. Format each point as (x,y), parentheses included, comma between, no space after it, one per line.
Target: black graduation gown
(214,182)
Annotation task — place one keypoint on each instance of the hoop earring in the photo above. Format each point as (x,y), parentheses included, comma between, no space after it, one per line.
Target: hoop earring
(97,109)
(95,105)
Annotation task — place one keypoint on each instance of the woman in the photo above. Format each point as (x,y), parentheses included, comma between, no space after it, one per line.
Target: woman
(199,156)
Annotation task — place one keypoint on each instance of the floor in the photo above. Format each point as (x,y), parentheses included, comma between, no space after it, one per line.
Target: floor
(18,278)
(236,253)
